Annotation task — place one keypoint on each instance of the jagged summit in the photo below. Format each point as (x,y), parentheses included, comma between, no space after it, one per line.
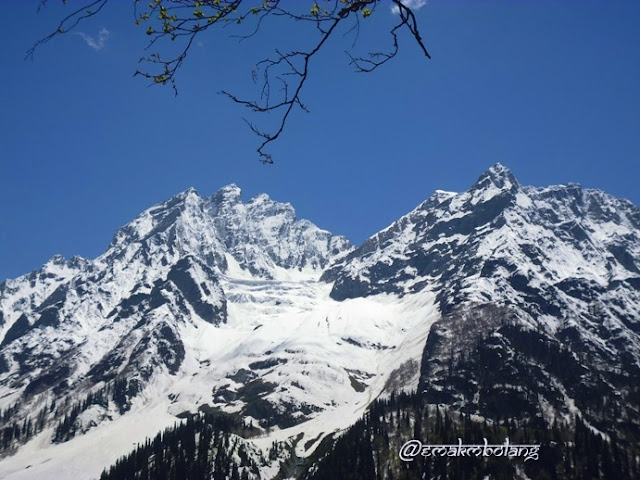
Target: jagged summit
(499,170)
(231,188)
(495,218)
(228,195)
(261,237)
(183,196)
(497,177)
(500,301)
(190,191)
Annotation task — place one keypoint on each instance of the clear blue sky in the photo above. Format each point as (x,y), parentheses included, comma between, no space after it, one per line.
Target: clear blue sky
(548,88)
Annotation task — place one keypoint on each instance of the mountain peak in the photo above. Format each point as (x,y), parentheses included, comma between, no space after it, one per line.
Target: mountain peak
(497,176)
(57,259)
(441,195)
(187,193)
(232,188)
(212,303)
(498,168)
(229,194)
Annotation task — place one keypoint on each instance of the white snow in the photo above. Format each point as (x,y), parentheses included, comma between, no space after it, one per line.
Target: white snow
(298,322)
(268,265)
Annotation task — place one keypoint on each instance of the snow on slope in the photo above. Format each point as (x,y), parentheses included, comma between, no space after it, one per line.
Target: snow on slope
(538,277)
(21,296)
(546,234)
(213,303)
(85,313)
(338,357)
(196,304)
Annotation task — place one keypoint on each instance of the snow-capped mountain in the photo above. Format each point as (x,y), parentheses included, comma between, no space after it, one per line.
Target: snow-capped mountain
(539,292)
(505,299)
(199,304)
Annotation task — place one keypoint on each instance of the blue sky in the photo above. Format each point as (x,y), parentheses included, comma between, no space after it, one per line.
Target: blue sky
(548,88)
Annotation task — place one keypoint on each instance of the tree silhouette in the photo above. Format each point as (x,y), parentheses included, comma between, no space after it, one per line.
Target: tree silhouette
(280,79)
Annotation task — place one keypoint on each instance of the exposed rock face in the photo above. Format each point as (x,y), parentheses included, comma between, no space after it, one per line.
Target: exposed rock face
(77,325)
(501,301)
(539,293)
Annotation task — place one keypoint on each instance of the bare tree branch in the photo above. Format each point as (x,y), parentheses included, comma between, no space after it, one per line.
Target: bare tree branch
(184,20)
(68,22)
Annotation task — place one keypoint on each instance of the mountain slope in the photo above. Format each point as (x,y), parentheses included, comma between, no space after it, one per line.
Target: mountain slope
(123,310)
(505,303)
(199,304)
(539,290)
